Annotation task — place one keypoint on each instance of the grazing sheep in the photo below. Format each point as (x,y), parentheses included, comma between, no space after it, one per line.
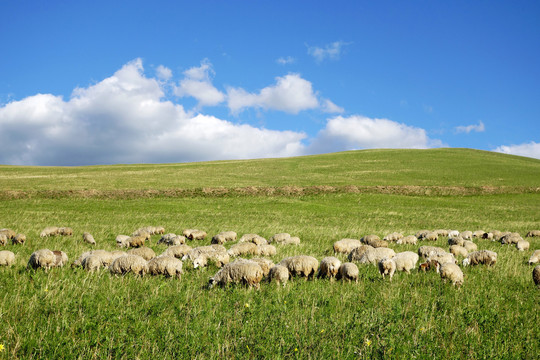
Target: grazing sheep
(223,237)
(7,258)
(301,265)
(104,256)
(453,233)
(145,252)
(376,243)
(18,239)
(88,238)
(348,271)
(329,267)
(431,236)
(496,235)
(535,257)
(245,248)
(420,234)
(49,231)
(177,251)
(466,235)
(10,234)
(165,265)
(266,250)
(428,265)
(479,234)
(533,233)
(456,240)
(65,231)
(172,239)
(441,232)
(127,264)
(536,275)
(488,236)
(279,274)
(346,245)
(136,241)
(253,238)
(239,272)
(265,264)
(452,272)
(142,233)
(43,258)
(194,234)
(122,241)
(293,240)
(427,251)
(406,261)
(395,236)
(457,250)
(61,258)
(522,245)
(200,255)
(510,238)
(387,267)
(443,258)
(92,263)
(3,240)
(369,238)
(356,253)
(373,256)
(411,240)
(469,245)
(280,238)
(485,257)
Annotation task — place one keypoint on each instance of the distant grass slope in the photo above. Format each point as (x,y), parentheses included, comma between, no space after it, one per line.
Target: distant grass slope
(432,167)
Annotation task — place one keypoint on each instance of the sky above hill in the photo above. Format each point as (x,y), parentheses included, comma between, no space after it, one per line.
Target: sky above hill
(105,82)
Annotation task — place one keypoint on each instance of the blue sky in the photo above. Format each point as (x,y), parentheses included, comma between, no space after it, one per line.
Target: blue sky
(101,82)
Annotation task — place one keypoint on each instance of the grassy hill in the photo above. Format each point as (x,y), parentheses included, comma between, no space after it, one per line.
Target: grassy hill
(69,313)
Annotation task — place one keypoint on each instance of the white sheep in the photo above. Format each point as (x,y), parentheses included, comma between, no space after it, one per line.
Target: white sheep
(395,236)
(18,239)
(373,256)
(533,233)
(453,233)
(239,272)
(122,241)
(10,234)
(7,258)
(457,250)
(466,235)
(479,234)
(65,231)
(105,257)
(266,250)
(407,240)
(49,231)
(3,240)
(194,234)
(522,245)
(376,243)
(329,267)
(348,271)
(224,237)
(427,251)
(346,245)
(535,257)
(356,253)
(510,238)
(469,245)
(46,259)
(136,241)
(441,232)
(485,257)
(127,264)
(178,251)
(442,258)
(431,236)
(406,261)
(244,248)
(280,238)
(265,264)
(279,274)
(92,263)
(88,238)
(488,236)
(387,267)
(145,252)
(200,255)
(368,238)
(456,240)
(421,233)
(301,265)
(165,265)
(536,275)
(253,238)
(172,239)
(452,272)
(142,233)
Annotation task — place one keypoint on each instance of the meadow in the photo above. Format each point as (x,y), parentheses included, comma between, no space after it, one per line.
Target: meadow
(69,313)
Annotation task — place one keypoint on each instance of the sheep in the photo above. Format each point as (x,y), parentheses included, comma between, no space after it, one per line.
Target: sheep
(452,272)
(142,233)
(200,255)
(329,267)
(533,233)
(485,257)
(105,257)
(376,243)
(172,239)
(61,258)
(488,236)
(431,236)
(49,231)
(165,265)
(443,258)
(496,235)
(441,232)
(145,252)
(348,271)
(536,275)
(510,238)
(47,259)
(479,234)
(245,272)
(346,245)
(266,250)
(406,261)
(456,240)
(127,264)
(122,241)
(194,234)
(246,248)
(88,238)
(457,250)
(395,236)
(428,265)
(466,235)
(427,251)
(280,238)
(387,267)
(356,253)
(254,238)
(152,230)
(293,240)
(178,251)
(65,231)
(469,245)
(223,237)
(369,238)
(411,239)
(535,257)
(18,239)
(421,233)
(136,241)
(10,234)
(3,240)
(279,274)
(453,233)
(92,262)
(373,256)
(522,245)
(301,265)
(265,265)
(7,258)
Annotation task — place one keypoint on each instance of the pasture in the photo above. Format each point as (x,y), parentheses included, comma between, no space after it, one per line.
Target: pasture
(70,313)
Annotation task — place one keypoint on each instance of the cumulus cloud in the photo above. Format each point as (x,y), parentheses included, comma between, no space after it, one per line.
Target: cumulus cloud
(531,149)
(163,73)
(330,51)
(469,128)
(329,107)
(197,83)
(285,60)
(359,132)
(126,119)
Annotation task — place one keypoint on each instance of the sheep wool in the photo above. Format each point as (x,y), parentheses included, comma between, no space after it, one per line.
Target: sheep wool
(533,233)
(65,231)
(522,245)
(172,239)
(469,245)
(280,238)
(42,258)
(457,250)
(88,238)
(395,236)
(3,240)
(484,257)
(166,265)
(406,261)
(239,272)
(18,239)
(346,245)
(427,251)
(178,251)
(224,237)
(145,252)
(122,241)
(452,272)
(411,239)
(536,275)
(266,250)
(535,257)
(348,271)
(129,263)
(244,248)
(301,265)
(7,258)
(279,274)
(356,253)
(329,267)
(49,231)
(387,267)
(373,256)
(254,238)
(194,234)
(265,264)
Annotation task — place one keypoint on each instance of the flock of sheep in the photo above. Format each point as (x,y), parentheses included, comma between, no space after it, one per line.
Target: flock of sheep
(370,249)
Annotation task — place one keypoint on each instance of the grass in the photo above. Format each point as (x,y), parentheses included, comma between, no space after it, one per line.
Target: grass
(68,313)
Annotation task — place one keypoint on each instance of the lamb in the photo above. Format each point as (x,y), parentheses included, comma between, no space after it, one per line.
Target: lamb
(136,241)
(348,271)
(346,245)
(427,251)
(535,257)
(172,239)
(122,241)
(7,258)
(178,251)
(279,274)
(387,267)
(466,235)
(329,267)
(533,233)
(245,272)
(456,240)
(406,261)
(127,264)
(88,238)
(395,236)
(65,231)
(18,239)
(265,264)
(411,239)
(266,250)
(145,252)
(469,245)
(223,237)
(301,265)
(373,256)
(194,234)
(485,257)
(536,275)
(245,248)
(522,245)
(429,265)
(3,240)
(356,253)
(46,259)
(165,265)
(254,238)
(452,272)
(457,250)
(49,231)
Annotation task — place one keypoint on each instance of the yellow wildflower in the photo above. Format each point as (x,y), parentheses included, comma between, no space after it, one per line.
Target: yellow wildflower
(246,305)
(295,349)
(368,342)
(1,347)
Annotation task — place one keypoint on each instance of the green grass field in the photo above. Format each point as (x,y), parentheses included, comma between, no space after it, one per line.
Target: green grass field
(69,313)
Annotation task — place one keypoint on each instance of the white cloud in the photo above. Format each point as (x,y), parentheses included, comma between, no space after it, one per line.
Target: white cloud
(359,132)
(330,51)
(163,73)
(467,129)
(125,119)
(531,149)
(285,60)
(198,84)
(329,107)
